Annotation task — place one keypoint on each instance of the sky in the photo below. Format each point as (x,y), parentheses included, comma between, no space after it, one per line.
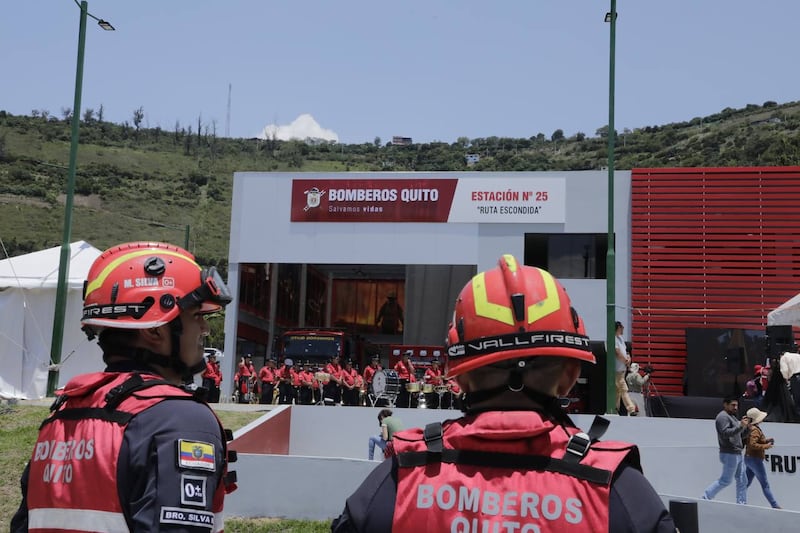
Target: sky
(432,70)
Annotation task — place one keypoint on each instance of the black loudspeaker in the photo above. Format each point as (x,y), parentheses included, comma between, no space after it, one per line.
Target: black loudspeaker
(734,360)
(779,339)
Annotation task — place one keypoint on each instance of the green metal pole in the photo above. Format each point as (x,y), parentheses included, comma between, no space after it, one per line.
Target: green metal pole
(63,265)
(611,392)
(186,238)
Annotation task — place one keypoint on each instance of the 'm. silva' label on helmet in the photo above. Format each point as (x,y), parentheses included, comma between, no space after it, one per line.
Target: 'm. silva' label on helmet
(520,341)
(147,282)
(135,310)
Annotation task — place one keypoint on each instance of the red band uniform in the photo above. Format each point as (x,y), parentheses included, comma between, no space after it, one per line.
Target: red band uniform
(332,391)
(405,373)
(434,377)
(266,376)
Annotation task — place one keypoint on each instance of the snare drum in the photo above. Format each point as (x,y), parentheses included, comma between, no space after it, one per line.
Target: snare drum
(440,389)
(427,388)
(385,383)
(412,387)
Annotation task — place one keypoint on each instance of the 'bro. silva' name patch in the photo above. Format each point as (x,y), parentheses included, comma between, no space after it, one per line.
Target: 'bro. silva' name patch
(187,517)
(196,455)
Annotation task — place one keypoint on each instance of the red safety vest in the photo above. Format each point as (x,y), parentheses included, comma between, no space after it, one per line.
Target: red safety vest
(73,468)
(503,471)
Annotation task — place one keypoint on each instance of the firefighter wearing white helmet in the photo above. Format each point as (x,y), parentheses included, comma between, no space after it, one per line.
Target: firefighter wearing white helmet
(514,461)
(128,449)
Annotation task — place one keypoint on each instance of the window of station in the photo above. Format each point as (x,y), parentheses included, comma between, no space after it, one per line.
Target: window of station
(568,255)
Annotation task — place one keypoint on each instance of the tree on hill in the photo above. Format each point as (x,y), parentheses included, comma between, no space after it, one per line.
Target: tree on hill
(138,116)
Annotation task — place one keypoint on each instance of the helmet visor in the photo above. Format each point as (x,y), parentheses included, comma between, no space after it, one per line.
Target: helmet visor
(212,294)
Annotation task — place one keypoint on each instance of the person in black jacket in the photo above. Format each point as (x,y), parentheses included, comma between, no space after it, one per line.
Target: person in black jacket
(514,461)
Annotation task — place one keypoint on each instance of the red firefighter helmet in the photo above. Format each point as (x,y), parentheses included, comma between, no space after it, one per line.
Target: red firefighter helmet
(513,311)
(142,285)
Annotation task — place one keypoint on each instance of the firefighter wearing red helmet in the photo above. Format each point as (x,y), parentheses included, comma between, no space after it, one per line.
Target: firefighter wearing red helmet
(514,461)
(128,448)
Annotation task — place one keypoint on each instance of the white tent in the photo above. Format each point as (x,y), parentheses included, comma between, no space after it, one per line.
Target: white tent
(786,314)
(27,306)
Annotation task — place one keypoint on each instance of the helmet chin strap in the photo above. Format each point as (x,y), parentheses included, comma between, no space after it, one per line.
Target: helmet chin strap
(172,361)
(185,371)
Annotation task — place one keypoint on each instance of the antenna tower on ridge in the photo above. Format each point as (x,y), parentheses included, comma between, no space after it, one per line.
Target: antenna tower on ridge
(228,116)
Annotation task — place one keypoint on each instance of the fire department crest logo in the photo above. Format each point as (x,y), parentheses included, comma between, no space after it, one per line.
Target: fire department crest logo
(313,198)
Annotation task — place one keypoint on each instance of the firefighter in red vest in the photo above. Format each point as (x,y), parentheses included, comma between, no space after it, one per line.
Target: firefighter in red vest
(514,461)
(128,449)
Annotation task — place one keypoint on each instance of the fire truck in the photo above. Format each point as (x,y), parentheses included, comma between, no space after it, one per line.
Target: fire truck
(314,345)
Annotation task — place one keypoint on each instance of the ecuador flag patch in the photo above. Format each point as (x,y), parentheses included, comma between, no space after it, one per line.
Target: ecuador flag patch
(196,455)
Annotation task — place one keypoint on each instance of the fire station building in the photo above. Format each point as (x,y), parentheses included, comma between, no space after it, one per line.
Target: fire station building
(701,255)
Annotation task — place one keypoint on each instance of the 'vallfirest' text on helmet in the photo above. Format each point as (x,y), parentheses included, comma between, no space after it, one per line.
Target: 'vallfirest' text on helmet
(143,285)
(513,311)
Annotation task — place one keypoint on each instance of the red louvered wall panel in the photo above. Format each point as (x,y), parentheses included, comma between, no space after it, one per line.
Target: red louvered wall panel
(710,247)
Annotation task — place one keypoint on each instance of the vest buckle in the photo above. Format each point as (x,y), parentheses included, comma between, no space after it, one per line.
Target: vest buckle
(578,445)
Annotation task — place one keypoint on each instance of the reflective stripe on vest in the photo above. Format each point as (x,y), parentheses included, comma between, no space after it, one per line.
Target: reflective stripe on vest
(76,520)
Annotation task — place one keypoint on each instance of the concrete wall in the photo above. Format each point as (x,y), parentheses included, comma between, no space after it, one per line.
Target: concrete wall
(328,450)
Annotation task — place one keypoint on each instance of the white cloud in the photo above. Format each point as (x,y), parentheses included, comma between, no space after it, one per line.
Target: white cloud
(302,128)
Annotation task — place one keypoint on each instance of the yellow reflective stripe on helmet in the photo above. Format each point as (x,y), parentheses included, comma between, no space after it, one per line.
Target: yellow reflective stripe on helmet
(97,282)
(487,309)
(551,302)
(511,262)
(504,314)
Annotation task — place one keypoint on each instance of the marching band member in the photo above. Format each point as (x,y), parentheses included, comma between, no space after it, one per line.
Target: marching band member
(332,391)
(209,376)
(369,372)
(242,379)
(405,373)
(306,379)
(267,378)
(433,376)
(349,389)
(296,383)
(316,387)
(286,380)
(453,397)
(217,381)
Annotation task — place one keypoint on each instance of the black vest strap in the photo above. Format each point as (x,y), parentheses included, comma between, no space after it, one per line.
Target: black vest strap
(80,413)
(113,398)
(133,384)
(579,443)
(505,460)
(433,437)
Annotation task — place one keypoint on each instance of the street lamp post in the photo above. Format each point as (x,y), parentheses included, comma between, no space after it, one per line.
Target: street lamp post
(611,18)
(63,265)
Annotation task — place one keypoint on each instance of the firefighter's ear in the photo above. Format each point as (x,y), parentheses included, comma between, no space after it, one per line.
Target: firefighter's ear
(569,376)
(151,337)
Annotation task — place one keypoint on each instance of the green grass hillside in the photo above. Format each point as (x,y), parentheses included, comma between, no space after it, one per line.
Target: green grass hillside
(145,184)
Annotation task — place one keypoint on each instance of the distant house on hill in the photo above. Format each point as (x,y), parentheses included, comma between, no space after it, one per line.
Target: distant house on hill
(472,159)
(401,141)
(771,120)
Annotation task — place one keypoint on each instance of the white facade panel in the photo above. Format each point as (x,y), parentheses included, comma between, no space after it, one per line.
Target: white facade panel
(262,231)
